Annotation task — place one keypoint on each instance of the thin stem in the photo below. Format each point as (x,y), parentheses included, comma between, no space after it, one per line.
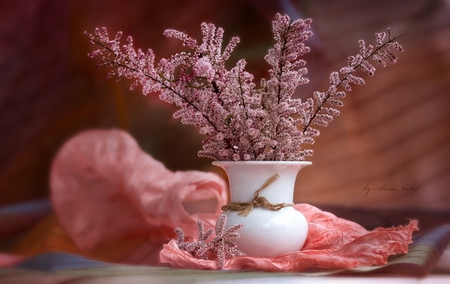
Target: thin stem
(246,114)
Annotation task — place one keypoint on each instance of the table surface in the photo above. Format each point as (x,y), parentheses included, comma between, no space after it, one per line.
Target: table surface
(91,271)
(139,274)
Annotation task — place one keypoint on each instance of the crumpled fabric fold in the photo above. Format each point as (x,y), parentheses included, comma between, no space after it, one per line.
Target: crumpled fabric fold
(105,189)
(332,243)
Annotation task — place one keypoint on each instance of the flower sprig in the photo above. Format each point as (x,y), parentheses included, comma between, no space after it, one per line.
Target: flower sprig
(239,120)
(221,245)
(321,108)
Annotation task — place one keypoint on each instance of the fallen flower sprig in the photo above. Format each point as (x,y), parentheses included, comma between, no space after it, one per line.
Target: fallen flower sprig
(239,120)
(221,245)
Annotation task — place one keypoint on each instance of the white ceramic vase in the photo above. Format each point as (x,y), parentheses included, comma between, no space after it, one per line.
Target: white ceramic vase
(266,233)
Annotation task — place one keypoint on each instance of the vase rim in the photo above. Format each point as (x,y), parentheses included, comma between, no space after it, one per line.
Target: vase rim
(305,163)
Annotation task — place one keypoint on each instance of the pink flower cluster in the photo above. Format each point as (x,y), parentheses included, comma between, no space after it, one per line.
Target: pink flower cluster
(242,121)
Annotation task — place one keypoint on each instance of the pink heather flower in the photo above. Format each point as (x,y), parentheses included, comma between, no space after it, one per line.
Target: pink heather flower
(242,120)
(203,69)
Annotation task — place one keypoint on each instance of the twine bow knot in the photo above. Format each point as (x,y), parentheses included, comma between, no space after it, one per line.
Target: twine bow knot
(257,201)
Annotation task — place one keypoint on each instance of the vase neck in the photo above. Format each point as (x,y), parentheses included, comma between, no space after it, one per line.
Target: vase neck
(245,178)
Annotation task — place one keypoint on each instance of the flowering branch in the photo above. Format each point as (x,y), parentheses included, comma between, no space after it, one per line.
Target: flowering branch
(239,120)
(315,113)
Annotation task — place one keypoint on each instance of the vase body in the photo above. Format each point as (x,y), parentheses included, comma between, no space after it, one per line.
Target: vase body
(266,233)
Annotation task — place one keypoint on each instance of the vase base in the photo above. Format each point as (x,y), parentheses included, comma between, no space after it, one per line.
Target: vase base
(269,233)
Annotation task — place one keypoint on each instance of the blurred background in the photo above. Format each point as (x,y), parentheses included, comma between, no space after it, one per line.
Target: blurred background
(392,133)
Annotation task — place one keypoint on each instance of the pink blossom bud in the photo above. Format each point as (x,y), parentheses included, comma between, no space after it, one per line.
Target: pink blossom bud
(203,69)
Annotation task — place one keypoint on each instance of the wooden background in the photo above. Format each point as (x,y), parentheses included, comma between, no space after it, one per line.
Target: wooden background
(392,133)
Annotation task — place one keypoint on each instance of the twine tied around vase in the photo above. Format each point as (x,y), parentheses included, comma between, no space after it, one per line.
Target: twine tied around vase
(257,201)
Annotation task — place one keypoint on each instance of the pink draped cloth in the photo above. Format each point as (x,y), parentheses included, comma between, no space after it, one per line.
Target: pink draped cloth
(332,243)
(105,189)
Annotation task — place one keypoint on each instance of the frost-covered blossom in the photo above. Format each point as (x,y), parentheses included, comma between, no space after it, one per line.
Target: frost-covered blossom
(239,119)
(221,245)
